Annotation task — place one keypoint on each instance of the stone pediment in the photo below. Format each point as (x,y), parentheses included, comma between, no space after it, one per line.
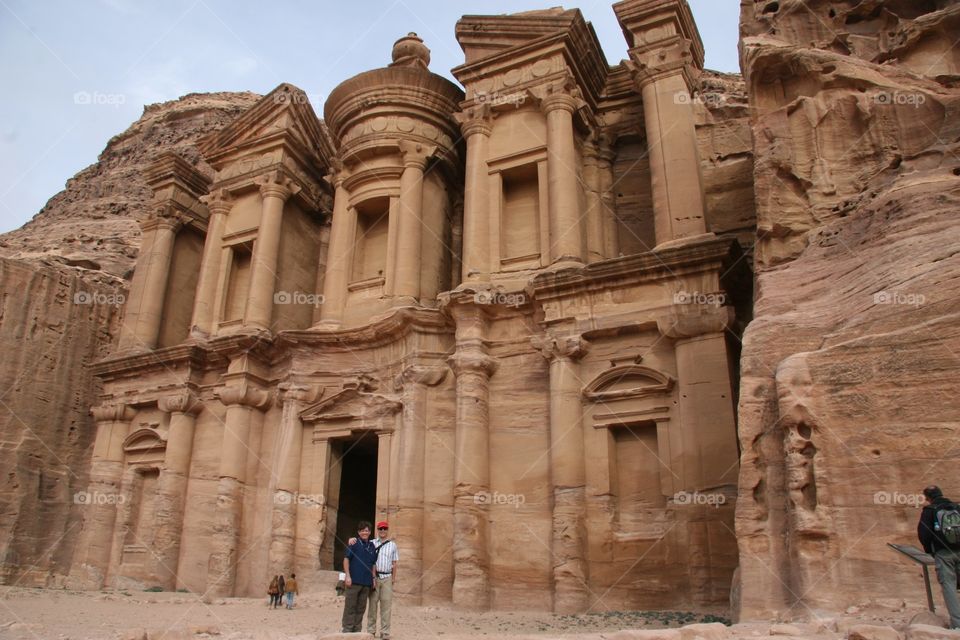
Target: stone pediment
(627,381)
(283,115)
(351,404)
(143,441)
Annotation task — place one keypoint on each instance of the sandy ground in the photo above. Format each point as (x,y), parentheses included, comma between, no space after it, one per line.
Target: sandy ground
(60,615)
(38,614)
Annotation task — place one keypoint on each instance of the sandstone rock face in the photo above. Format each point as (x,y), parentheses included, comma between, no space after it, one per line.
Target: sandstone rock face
(92,223)
(847,401)
(53,324)
(61,296)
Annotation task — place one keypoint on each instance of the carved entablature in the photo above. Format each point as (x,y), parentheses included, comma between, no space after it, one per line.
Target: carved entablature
(178,190)
(511,57)
(663,39)
(281,133)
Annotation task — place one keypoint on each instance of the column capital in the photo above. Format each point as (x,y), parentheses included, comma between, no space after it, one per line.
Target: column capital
(164,217)
(676,58)
(244,394)
(559,100)
(415,154)
(475,120)
(420,374)
(184,402)
(219,201)
(294,393)
(113,412)
(680,322)
(472,362)
(552,348)
(277,185)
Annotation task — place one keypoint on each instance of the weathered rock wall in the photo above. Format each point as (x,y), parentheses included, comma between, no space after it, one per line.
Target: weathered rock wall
(53,324)
(62,282)
(847,405)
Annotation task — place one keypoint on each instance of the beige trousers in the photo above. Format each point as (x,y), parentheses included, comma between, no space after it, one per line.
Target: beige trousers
(383,595)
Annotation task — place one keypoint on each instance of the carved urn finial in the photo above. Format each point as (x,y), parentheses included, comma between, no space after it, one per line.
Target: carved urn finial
(409,51)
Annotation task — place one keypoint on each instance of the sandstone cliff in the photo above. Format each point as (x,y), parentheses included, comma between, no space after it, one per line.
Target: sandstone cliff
(848,405)
(61,285)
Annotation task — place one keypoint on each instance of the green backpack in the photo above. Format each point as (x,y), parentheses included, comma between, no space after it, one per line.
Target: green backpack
(947,525)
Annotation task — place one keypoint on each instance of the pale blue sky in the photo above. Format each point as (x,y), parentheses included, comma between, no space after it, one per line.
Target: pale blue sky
(125,53)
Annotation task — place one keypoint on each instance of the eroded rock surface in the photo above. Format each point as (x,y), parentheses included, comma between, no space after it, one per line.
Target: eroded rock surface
(847,405)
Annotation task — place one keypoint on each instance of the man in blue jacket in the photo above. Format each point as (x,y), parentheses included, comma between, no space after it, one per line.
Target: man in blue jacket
(359,565)
(946,556)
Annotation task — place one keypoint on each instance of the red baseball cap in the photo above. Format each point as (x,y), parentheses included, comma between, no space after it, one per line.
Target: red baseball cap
(383,525)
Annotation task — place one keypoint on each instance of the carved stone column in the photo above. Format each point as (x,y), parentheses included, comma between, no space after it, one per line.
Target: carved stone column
(286,498)
(707,426)
(172,485)
(204,320)
(340,253)
(567,474)
(473,368)
(410,220)
(566,238)
(611,228)
(666,65)
(274,189)
(144,312)
(595,210)
(241,401)
(92,563)
(475,126)
(409,520)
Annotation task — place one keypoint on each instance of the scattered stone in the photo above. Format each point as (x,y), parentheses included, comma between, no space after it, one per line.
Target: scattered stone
(931,632)
(785,630)
(704,631)
(873,632)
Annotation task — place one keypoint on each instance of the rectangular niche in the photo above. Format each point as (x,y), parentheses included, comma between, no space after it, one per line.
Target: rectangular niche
(238,281)
(520,216)
(638,465)
(370,244)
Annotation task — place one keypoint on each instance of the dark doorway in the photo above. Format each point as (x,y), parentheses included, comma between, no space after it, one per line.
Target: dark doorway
(357,459)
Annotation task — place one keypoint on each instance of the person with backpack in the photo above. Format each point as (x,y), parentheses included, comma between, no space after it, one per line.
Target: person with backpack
(274,592)
(939,533)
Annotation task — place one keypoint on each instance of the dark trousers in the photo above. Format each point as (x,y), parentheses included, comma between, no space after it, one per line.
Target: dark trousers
(354,607)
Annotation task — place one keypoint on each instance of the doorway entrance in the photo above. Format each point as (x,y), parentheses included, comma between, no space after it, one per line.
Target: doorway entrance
(357,499)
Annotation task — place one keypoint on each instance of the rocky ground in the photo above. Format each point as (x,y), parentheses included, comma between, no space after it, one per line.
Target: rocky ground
(123,615)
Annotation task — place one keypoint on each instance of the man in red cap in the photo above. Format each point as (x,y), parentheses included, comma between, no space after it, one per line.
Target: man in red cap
(386,578)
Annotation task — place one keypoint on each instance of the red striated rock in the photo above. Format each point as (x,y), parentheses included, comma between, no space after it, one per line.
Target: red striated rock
(847,404)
